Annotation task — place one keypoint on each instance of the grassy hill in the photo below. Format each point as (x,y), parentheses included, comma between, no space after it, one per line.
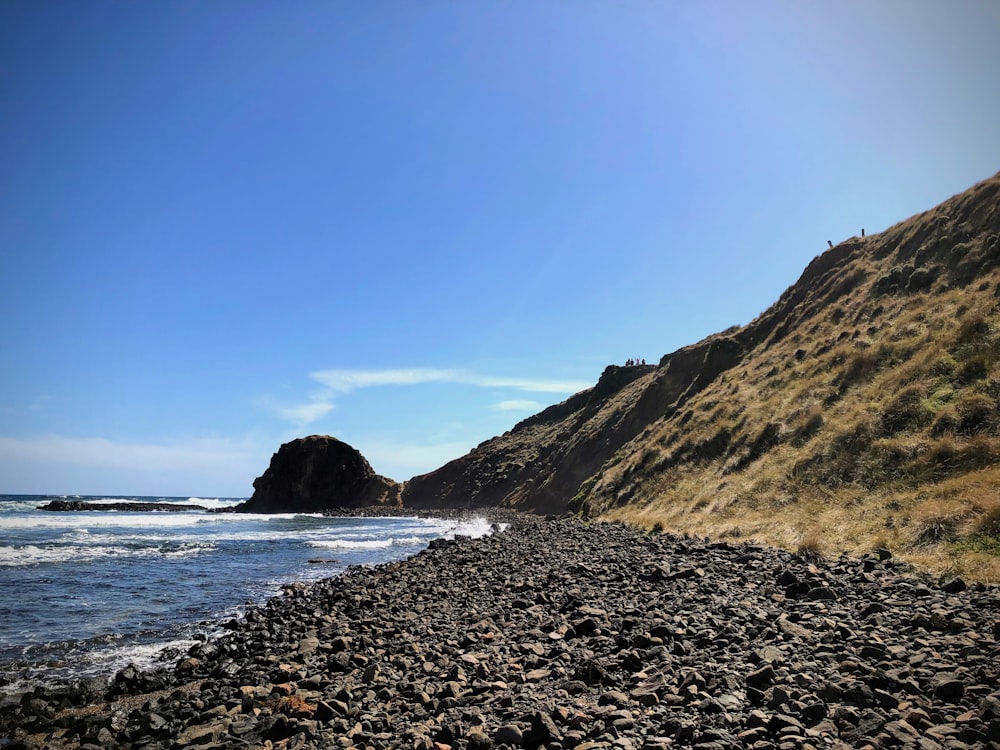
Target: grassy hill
(861,410)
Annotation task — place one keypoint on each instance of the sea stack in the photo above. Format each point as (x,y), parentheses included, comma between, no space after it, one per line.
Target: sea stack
(317,473)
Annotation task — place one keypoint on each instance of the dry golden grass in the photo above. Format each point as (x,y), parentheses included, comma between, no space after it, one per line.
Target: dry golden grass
(874,422)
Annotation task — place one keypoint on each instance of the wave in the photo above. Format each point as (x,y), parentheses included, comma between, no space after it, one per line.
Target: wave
(30,554)
(95,662)
(476,527)
(349,544)
(97,519)
(104,519)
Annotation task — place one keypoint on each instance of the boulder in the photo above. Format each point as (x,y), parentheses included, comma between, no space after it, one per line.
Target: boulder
(317,473)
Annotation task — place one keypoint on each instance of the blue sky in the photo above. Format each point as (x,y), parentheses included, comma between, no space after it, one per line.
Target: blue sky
(410,225)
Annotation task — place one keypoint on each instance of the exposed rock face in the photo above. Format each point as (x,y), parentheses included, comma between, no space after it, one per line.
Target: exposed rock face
(545,461)
(316,473)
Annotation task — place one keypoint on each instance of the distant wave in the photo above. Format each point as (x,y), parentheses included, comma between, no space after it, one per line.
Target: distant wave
(13,557)
(212,503)
(98,519)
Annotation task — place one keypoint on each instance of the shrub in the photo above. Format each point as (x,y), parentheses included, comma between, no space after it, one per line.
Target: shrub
(973,328)
(936,530)
(810,547)
(921,279)
(989,523)
(905,411)
(973,369)
(946,423)
(859,366)
(976,413)
(812,421)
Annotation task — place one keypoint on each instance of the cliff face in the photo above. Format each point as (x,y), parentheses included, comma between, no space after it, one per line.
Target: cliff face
(317,473)
(541,462)
(863,402)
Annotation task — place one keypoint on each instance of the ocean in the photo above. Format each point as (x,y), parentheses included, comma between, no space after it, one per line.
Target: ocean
(82,594)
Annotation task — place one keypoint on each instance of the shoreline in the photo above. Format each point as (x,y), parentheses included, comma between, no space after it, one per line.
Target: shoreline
(561,633)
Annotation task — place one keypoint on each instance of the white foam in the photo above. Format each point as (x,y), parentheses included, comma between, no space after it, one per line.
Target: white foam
(349,544)
(30,554)
(98,519)
(208,503)
(103,662)
(475,527)
(212,503)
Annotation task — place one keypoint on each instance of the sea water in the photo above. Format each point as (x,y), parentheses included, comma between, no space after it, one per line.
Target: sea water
(84,593)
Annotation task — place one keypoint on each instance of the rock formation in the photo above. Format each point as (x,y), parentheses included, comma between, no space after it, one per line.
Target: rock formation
(74,506)
(317,473)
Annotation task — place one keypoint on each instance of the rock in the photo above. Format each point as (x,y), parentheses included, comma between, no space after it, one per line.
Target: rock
(75,506)
(202,734)
(478,739)
(989,707)
(762,677)
(307,646)
(508,734)
(317,473)
(954,586)
(436,651)
(543,730)
(948,687)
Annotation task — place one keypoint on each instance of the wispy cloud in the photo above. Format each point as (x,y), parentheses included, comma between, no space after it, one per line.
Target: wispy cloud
(300,414)
(518,405)
(345,381)
(342,382)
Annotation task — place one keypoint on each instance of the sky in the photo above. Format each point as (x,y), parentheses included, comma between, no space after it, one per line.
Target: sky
(411,225)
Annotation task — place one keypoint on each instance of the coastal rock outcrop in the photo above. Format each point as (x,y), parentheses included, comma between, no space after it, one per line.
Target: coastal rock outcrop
(75,506)
(317,473)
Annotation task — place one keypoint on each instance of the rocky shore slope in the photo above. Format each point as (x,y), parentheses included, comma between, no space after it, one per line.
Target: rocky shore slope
(560,634)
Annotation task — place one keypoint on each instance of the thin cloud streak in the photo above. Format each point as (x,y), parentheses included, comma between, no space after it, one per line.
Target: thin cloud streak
(342,382)
(302,414)
(345,381)
(518,405)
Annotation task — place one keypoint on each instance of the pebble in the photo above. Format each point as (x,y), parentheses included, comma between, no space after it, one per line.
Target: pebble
(561,634)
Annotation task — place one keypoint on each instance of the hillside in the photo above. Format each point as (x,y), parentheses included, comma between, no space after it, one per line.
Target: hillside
(862,409)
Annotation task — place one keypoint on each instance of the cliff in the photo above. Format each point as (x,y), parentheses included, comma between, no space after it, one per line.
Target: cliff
(862,408)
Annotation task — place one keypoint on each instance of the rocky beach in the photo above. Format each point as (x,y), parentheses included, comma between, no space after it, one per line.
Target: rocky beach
(557,633)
